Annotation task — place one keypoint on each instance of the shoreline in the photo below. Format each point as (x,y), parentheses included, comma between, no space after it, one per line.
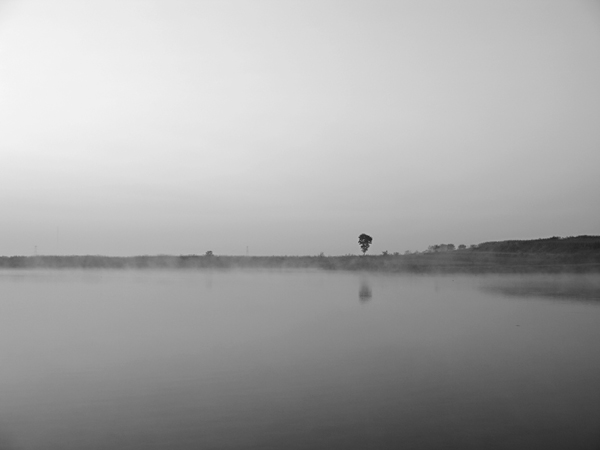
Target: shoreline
(451,262)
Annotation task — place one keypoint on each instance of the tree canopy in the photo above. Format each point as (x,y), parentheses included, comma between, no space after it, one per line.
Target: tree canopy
(364,240)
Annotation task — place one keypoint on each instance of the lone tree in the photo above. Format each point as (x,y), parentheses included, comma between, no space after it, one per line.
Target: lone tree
(364,240)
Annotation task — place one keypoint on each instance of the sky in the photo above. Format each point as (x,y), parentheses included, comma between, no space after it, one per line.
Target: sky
(290,127)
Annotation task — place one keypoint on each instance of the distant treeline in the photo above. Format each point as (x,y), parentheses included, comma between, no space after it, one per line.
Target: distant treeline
(575,244)
(572,254)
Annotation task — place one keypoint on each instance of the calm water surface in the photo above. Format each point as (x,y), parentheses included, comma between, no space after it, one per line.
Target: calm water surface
(297,360)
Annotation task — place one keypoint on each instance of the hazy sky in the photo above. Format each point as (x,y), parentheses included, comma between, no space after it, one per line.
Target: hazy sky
(144,127)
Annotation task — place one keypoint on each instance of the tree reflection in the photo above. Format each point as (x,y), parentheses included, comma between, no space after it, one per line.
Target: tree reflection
(365,293)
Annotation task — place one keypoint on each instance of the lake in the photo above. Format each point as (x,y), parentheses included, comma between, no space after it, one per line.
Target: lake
(297,360)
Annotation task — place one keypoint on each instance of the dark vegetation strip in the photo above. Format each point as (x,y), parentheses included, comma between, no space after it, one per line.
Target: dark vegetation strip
(419,263)
(553,255)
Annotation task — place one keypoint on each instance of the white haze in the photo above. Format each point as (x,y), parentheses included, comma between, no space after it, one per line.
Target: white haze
(146,127)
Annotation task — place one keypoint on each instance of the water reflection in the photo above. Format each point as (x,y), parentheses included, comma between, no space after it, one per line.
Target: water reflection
(264,359)
(365,293)
(574,287)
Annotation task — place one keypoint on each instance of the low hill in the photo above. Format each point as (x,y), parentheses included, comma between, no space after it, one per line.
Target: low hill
(574,244)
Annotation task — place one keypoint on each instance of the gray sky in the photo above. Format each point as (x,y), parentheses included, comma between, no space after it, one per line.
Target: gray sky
(144,127)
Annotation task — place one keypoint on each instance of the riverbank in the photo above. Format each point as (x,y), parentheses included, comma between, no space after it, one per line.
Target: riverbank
(450,262)
(580,254)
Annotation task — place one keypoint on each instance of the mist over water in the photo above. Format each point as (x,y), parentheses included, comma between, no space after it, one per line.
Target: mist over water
(297,359)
